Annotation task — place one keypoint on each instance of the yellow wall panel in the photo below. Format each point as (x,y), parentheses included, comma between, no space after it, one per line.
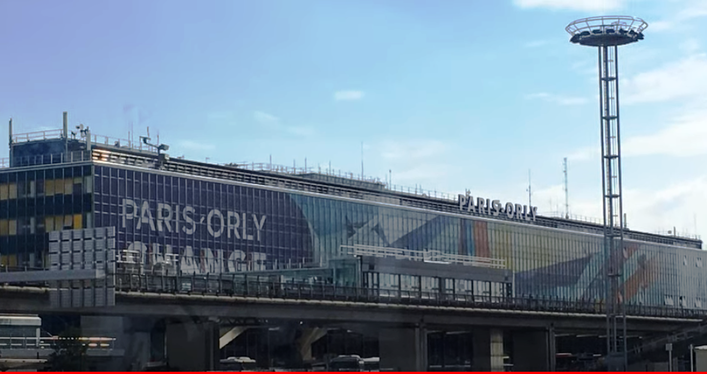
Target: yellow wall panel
(49,223)
(78,221)
(49,187)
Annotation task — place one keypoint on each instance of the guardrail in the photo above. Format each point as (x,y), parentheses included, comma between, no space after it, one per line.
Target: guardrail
(47,159)
(244,286)
(48,342)
(95,139)
(37,135)
(425,255)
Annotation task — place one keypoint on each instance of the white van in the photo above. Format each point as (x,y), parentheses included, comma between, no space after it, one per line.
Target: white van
(238,364)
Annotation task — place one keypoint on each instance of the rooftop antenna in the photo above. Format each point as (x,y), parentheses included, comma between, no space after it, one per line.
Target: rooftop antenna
(10,144)
(567,204)
(361,160)
(65,131)
(530,191)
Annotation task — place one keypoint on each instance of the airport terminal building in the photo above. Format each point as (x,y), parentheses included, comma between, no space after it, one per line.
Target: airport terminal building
(201,218)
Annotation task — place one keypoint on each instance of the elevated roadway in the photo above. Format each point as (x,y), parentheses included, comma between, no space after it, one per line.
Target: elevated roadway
(15,299)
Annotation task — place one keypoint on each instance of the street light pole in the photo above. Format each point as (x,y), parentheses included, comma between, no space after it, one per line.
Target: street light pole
(669,348)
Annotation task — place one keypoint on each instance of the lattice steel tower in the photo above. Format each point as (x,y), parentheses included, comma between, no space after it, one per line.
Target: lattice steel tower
(607,34)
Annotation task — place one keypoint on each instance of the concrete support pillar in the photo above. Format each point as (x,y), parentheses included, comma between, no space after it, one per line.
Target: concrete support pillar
(309,336)
(192,346)
(488,349)
(403,349)
(534,350)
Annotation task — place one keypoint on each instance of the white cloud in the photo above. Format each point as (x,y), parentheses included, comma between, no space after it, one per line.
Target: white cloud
(584,154)
(416,162)
(686,136)
(349,95)
(679,205)
(194,145)
(658,26)
(686,78)
(690,46)
(264,118)
(557,99)
(689,10)
(579,5)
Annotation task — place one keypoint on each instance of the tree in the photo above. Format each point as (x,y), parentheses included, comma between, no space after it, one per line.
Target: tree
(69,352)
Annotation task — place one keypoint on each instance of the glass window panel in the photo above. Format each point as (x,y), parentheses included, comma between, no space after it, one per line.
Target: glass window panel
(4,227)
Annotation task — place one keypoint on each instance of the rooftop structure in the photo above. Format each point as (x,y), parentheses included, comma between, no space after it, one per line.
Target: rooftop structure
(48,147)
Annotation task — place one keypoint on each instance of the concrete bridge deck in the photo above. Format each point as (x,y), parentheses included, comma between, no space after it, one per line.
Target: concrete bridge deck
(15,299)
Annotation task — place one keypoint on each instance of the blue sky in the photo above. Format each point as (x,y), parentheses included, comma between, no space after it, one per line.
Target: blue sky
(450,95)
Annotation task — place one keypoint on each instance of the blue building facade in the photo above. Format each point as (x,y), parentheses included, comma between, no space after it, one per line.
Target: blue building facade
(220,219)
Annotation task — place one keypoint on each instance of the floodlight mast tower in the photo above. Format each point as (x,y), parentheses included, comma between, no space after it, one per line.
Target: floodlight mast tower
(607,33)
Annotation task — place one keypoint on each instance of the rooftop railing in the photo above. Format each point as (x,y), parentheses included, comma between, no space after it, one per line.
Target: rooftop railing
(574,217)
(46,159)
(677,234)
(415,255)
(617,24)
(294,170)
(95,139)
(244,286)
(36,135)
